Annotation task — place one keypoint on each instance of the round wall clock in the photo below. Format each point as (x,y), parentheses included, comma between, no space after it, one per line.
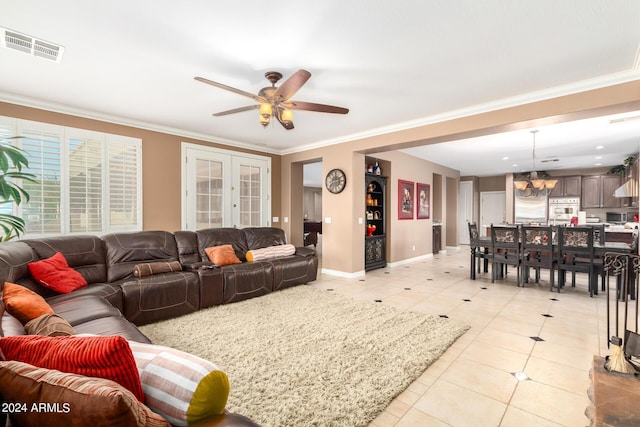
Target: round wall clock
(335,181)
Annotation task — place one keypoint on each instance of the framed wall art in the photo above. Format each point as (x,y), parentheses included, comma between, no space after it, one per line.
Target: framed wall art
(423,197)
(405,199)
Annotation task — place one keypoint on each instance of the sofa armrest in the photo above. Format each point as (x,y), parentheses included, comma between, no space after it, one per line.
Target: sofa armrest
(226,420)
(305,252)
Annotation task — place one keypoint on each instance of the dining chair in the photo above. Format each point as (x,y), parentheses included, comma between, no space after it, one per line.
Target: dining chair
(537,252)
(576,254)
(479,251)
(505,250)
(599,234)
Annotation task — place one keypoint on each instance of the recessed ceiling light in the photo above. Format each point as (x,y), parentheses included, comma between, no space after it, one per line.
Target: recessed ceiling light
(597,157)
(505,158)
(599,147)
(515,165)
(598,164)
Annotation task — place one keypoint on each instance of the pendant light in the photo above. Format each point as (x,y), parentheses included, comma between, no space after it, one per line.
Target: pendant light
(534,181)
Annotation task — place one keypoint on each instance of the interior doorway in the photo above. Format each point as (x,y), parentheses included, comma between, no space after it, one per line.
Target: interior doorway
(492,209)
(312,206)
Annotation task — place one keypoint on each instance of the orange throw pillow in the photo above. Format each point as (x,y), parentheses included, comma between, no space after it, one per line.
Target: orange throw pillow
(23,303)
(55,274)
(108,357)
(222,255)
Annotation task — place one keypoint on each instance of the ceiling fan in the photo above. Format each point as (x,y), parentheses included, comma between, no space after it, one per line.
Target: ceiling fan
(276,101)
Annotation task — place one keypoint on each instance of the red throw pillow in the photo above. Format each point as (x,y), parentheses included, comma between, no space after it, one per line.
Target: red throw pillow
(23,303)
(107,357)
(55,274)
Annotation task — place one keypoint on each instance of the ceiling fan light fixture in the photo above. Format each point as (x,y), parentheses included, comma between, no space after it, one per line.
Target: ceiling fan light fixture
(266,110)
(287,115)
(264,120)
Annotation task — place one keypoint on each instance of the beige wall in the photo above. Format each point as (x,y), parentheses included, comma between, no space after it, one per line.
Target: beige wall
(343,243)
(342,250)
(161,165)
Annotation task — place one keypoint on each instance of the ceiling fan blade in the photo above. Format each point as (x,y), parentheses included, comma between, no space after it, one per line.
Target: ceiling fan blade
(311,106)
(231,89)
(290,86)
(288,125)
(237,110)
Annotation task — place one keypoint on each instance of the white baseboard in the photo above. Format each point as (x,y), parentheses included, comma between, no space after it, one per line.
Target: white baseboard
(344,274)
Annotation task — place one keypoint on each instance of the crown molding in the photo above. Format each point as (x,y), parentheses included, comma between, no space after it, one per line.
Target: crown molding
(550,93)
(515,101)
(92,115)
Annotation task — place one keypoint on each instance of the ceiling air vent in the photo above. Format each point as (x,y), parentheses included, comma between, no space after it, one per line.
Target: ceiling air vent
(30,45)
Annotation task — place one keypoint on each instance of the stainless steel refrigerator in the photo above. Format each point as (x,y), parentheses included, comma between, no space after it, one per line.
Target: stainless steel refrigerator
(531,206)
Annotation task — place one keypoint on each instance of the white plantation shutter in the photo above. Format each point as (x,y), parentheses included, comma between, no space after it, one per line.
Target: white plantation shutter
(43,214)
(85,185)
(125,188)
(88,182)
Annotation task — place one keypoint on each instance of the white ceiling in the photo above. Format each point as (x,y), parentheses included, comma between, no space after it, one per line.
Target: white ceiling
(393,64)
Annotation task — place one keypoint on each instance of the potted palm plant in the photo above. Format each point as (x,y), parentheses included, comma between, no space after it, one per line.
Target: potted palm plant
(12,161)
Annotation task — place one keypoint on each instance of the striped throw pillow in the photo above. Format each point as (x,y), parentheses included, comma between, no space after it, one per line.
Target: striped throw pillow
(54,398)
(181,387)
(270,252)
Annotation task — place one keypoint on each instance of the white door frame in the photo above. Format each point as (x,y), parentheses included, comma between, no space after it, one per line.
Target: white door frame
(231,160)
(465,211)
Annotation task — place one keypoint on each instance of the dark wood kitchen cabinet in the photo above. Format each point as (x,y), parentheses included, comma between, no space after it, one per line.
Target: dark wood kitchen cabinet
(597,191)
(567,186)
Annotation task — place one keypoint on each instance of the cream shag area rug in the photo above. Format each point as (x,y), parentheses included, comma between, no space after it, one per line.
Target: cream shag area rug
(308,357)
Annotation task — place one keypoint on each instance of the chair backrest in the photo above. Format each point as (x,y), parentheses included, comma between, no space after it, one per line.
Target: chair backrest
(575,240)
(505,237)
(598,231)
(473,233)
(537,238)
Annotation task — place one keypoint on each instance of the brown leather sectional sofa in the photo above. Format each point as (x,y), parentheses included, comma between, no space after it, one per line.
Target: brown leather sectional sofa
(114,301)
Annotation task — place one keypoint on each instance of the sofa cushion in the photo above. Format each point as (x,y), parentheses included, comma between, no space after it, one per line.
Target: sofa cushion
(247,280)
(23,303)
(180,386)
(262,237)
(73,400)
(54,273)
(110,292)
(270,252)
(50,325)
(222,255)
(222,236)
(84,253)
(106,357)
(125,250)
(83,309)
(161,296)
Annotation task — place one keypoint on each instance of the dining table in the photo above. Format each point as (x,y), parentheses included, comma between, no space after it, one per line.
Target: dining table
(600,249)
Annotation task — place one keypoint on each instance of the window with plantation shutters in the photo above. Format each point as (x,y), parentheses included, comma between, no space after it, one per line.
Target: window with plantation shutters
(87,182)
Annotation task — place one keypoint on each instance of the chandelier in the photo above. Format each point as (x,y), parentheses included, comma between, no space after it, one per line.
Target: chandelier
(535,181)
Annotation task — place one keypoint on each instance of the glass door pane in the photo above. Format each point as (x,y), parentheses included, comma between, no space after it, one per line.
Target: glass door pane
(209,194)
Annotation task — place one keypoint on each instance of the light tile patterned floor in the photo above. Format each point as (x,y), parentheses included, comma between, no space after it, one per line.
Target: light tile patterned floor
(472,383)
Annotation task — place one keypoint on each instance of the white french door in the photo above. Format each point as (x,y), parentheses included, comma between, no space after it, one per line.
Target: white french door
(223,188)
